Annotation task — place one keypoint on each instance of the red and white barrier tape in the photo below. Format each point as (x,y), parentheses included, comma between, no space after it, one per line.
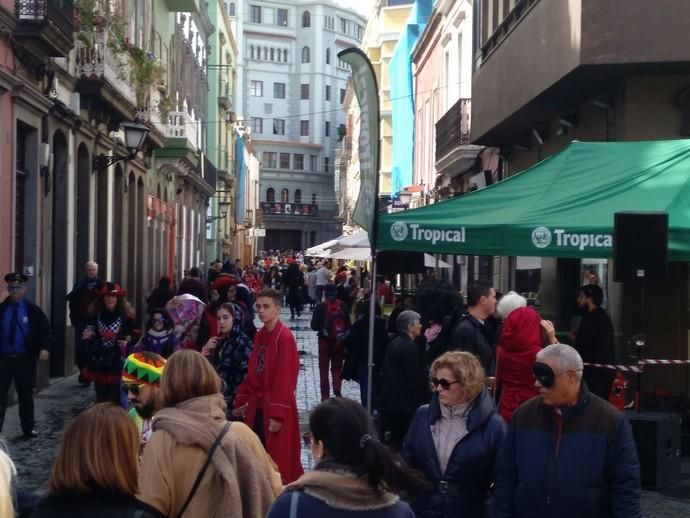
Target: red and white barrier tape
(640,364)
(624,368)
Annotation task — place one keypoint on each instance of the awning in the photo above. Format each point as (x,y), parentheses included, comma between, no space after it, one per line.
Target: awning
(562,207)
(356,247)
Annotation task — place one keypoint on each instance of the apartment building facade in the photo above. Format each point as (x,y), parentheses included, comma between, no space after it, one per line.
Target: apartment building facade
(290,97)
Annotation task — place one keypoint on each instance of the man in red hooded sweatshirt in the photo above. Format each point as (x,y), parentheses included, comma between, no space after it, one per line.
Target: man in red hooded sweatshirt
(266,397)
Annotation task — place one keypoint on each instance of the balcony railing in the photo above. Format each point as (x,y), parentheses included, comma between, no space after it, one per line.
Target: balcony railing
(96,61)
(59,12)
(453,129)
(45,26)
(270,208)
(183,125)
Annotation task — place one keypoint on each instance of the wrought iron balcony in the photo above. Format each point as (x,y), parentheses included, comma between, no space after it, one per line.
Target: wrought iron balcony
(270,208)
(45,27)
(96,62)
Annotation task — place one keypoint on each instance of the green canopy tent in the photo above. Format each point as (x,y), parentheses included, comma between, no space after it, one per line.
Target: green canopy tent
(562,207)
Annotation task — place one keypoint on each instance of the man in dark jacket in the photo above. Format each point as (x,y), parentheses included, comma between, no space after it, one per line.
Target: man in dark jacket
(403,375)
(83,295)
(594,340)
(471,333)
(568,453)
(25,337)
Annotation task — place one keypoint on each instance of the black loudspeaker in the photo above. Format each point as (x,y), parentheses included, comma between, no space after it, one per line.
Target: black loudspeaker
(640,247)
(657,437)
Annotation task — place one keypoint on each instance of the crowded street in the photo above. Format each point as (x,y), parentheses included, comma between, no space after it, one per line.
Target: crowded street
(344,259)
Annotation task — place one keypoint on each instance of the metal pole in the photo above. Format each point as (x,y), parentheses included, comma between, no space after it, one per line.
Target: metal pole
(370,350)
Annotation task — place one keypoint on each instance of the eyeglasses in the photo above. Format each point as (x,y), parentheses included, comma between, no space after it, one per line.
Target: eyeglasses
(155,319)
(443,383)
(134,388)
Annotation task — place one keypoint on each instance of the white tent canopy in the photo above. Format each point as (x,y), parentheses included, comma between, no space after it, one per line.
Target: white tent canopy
(356,247)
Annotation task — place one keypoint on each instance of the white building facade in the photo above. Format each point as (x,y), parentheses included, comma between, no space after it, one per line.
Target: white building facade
(290,90)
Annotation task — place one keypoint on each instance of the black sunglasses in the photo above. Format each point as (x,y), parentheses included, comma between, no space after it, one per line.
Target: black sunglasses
(134,388)
(444,384)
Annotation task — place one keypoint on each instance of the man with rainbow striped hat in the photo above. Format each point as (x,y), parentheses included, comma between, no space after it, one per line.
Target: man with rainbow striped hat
(141,377)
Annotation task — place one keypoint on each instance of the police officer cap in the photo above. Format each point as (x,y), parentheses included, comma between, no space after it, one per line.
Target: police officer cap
(16,277)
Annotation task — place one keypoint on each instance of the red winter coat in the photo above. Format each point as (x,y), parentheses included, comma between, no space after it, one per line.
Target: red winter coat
(517,349)
(270,387)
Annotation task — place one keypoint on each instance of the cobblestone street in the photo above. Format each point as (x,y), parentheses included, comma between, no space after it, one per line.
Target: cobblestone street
(56,405)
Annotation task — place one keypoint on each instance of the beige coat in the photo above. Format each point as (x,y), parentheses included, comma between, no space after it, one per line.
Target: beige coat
(170,466)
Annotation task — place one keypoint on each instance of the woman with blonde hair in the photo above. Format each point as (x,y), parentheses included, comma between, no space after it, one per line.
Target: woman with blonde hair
(197,463)
(454,440)
(95,472)
(7,472)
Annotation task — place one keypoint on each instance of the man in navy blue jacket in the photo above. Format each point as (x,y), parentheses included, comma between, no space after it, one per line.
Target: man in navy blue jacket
(25,337)
(568,453)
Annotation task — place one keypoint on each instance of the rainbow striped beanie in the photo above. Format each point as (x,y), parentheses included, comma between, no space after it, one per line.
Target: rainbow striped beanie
(143,367)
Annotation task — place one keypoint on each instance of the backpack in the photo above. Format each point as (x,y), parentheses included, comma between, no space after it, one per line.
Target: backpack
(334,324)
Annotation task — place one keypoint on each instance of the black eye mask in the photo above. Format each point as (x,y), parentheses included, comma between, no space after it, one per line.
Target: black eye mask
(544,374)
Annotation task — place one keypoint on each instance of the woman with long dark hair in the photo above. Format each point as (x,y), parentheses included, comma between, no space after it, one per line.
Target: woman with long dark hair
(229,350)
(108,334)
(355,474)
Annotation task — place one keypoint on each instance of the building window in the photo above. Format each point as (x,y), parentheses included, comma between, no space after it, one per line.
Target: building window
(284,196)
(265,53)
(298,162)
(279,90)
(306,19)
(298,196)
(304,128)
(270,159)
(342,95)
(255,14)
(231,9)
(313,162)
(327,129)
(328,56)
(313,199)
(283,17)
(279,126)
(328,92)
(360,33)
(251,51)
(285,56)
(273,54)
(270,194)
(284,161)
(326,164)
(304,91)
(256,124)
(305,55)
(343,25)
(256,88)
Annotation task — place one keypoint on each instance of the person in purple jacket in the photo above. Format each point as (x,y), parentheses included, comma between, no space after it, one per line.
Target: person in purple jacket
(160,335)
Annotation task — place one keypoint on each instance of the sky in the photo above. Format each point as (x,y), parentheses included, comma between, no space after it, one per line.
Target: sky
(361,6)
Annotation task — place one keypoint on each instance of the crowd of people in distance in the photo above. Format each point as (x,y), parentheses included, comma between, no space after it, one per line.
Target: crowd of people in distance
(470,407)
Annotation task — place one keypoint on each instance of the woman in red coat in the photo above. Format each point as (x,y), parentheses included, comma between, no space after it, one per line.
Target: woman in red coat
(519,344)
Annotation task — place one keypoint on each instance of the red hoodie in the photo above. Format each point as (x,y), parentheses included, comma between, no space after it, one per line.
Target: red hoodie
(519,344)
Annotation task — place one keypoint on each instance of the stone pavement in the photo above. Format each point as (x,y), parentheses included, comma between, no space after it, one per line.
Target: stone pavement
(56,405)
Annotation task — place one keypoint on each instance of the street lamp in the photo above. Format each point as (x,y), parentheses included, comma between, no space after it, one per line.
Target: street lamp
(135,135)
(211,219)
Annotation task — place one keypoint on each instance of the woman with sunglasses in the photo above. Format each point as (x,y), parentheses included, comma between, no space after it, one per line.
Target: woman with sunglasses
(454,440)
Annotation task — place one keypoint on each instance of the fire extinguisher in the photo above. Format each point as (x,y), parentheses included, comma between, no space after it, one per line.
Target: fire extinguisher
(618,391)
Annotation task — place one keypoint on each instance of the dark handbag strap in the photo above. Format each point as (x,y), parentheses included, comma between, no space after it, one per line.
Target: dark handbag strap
(197,482)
